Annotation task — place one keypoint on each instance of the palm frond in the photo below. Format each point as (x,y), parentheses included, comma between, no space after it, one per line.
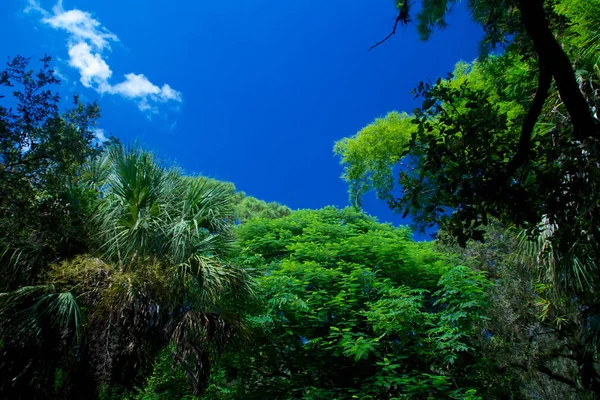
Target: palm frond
(201,337)
(147,210)
(199,220)
(571,270)
(28,313)
(208,278)
(134,194)
(19,263)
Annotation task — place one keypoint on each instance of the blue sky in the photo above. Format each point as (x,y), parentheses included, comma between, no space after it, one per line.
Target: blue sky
(250,91)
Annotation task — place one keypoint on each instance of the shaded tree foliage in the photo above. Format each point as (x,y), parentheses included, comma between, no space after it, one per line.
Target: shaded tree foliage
(40,151)
(153,274)
(533,342)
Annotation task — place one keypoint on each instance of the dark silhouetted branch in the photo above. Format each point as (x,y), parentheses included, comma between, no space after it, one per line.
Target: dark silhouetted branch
(522,154)
(547,371)
(401,18)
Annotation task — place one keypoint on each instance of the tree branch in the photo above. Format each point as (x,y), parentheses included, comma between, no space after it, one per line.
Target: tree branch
(388,36)
(548,49)
(401,18)
(547,371)
(191,374)
(522,154)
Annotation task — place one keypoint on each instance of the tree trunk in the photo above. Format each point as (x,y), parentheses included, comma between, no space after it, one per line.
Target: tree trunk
(548,49)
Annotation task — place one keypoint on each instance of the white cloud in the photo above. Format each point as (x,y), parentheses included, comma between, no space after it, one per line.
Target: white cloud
(139,87)
(60,75)
(100,136)
(34,5)
(81,26)
(92,68)
(87,41)
(136,86)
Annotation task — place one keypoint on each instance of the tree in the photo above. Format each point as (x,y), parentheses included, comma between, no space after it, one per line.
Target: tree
(497,140)
(40,152)
(530,21)
(351,308)
(532,339)
(249,207)
(156,275)
(474,149)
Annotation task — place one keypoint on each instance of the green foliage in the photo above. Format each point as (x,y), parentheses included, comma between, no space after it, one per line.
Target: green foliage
(40,153)
(350,308)
(125,279)
(445,133)
(370,156)
(533,343)
(476,150)
(463,297)
(168,381)
(158,276)
(582,31)
(510,138)
(504,144)
(331,235)
(248,207)
(149,210)
(499,18)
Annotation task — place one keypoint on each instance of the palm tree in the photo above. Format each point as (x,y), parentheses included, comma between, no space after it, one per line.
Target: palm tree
(157,275)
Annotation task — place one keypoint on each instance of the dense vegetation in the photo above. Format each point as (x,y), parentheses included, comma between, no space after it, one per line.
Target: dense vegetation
(123,278)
